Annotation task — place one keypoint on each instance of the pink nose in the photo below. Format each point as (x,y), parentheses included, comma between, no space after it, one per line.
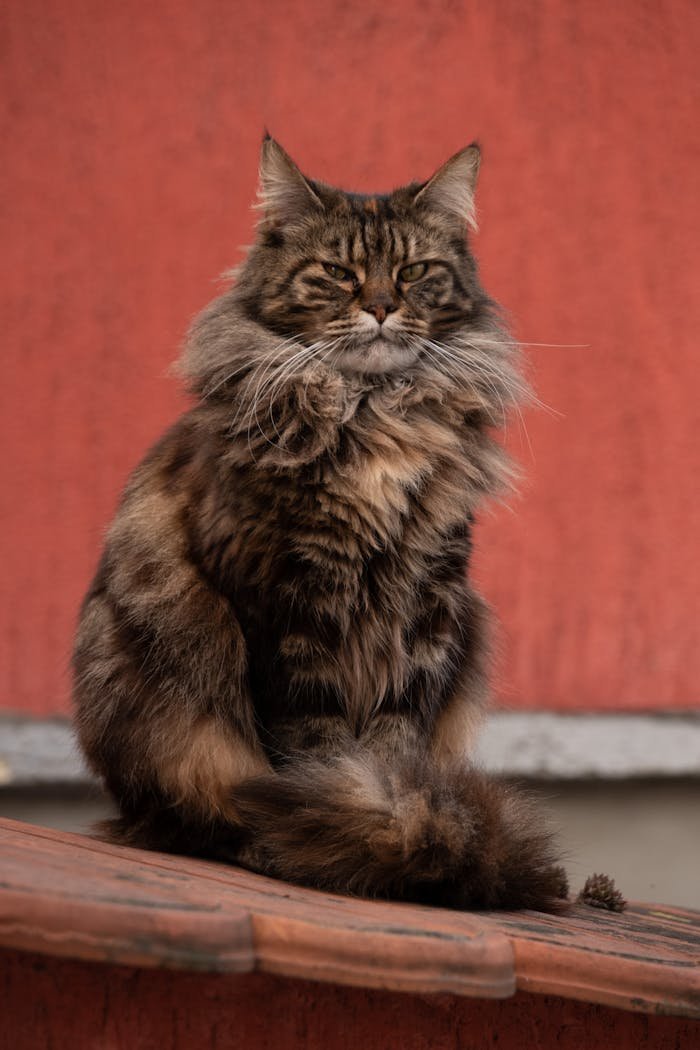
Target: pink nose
(380,308)
(377,311)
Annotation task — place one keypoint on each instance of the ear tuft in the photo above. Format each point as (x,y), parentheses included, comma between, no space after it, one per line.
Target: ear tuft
(284,194)
(451,189)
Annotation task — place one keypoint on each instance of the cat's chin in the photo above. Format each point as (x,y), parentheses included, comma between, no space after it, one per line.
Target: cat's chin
(379,356)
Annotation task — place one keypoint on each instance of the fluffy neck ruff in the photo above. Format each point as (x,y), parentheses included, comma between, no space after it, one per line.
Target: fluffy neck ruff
(281,406)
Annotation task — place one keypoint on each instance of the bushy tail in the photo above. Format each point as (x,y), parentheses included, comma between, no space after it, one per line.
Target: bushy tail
(350,824)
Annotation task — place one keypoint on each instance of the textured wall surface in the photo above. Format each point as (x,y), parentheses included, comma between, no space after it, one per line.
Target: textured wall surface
(131,134)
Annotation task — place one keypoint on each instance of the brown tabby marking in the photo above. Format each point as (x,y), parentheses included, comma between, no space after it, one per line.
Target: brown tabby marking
(456,728)
(281,660)
(200,767)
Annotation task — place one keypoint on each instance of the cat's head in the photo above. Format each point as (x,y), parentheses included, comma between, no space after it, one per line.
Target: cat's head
(372,279)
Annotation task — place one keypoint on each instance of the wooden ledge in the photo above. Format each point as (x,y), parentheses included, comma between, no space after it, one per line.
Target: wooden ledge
(67,895)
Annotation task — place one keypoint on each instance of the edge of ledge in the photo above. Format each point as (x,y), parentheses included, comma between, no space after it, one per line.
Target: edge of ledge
(148,909)
(68,895)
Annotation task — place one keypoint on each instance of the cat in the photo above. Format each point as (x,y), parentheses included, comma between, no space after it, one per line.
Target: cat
(280,661)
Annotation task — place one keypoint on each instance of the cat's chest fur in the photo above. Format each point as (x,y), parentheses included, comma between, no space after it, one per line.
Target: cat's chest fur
(393,477)
(368,544)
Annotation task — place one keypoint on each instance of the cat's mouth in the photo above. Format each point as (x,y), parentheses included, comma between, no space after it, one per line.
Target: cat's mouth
(380,352)
(380,337)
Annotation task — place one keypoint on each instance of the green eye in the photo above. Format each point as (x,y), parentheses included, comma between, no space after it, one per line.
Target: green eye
(337,272)
(412,272)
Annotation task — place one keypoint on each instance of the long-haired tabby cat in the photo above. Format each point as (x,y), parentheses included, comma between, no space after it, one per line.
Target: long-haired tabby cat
(280,660)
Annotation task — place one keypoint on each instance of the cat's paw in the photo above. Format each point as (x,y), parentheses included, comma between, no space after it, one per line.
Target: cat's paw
(320,394)
(302,421)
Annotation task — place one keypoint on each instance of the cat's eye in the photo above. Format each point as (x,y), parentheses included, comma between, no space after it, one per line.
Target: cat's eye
(338,272)
(412,272)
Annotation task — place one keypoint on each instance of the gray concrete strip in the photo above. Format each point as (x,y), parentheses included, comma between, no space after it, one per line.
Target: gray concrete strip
(538,745)
(579,746)
(36,752)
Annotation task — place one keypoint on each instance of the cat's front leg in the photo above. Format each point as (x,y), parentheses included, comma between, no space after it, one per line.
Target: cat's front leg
(466,696)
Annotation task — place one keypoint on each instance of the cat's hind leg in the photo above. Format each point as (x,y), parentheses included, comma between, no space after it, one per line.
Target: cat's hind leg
(163,709)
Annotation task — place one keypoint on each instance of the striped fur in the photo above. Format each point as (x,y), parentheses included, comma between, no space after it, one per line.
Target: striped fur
(281,660)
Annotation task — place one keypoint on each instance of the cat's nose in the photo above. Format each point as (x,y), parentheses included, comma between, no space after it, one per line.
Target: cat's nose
(380,307)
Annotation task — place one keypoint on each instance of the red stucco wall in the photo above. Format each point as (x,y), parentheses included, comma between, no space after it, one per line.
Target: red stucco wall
(130,136)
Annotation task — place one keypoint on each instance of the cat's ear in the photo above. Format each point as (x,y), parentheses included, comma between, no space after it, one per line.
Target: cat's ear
(284,193)
(451,189)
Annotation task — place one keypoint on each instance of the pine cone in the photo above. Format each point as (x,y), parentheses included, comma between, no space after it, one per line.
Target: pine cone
(599,892)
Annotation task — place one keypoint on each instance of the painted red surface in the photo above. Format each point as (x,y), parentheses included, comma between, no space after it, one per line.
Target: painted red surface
(131,134)
(70,1005)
